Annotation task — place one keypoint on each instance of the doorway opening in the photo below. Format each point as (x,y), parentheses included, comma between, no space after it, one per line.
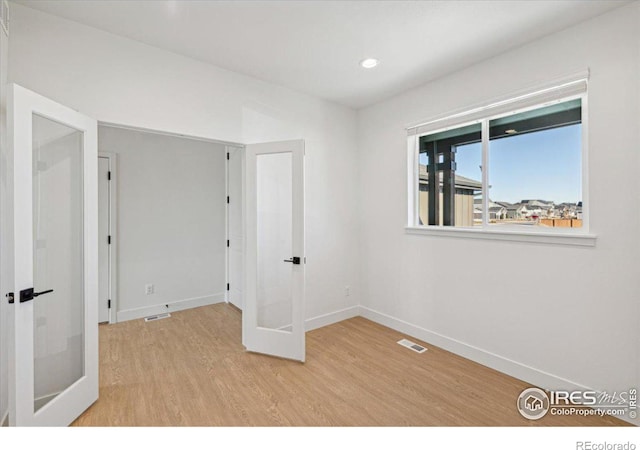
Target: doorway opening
(164,247)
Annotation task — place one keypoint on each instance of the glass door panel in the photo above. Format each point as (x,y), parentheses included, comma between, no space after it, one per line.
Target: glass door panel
(273,317)
(274,227)
(58,317)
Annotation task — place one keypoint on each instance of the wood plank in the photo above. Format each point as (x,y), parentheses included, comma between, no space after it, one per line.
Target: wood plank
(192,370)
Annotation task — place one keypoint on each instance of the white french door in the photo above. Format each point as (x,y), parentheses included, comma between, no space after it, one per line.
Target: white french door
(53,343)
(273,314)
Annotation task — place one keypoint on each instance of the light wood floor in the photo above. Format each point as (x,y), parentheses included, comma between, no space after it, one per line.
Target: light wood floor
(192,370)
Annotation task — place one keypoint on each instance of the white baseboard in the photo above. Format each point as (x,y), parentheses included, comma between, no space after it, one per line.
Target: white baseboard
(326,319)
(507,366)
(331,318)
(178,305)
(499,363)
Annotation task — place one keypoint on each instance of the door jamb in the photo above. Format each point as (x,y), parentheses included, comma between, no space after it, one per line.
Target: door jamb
(113,232)
(227,150)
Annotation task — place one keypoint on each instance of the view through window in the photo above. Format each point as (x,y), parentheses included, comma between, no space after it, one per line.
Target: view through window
(535,165)
(534,170)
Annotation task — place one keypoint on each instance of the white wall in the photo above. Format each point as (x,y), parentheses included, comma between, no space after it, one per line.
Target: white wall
(171,226)
(575,319)
(5,273)
(121,81)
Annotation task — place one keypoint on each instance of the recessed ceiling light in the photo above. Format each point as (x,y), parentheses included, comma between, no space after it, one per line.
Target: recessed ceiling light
(369,63)
(511,131)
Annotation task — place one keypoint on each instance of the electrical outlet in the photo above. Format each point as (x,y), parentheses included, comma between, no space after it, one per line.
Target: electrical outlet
(148,289)
(347,291)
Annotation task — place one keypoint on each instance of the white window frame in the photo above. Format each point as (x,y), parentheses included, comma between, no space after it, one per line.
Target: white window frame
(560,90)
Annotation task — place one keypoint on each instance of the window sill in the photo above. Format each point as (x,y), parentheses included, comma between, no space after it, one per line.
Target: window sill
(582,240)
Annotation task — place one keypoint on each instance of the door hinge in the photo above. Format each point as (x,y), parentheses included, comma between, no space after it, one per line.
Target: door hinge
(227,199)
(109,304)
(227,242)
(227,156)
(109,175)
(10,297)
(227,286)
(109,240)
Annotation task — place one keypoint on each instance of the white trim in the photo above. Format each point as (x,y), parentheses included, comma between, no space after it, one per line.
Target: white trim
(574,87)
(229,150)
(237,152)
(584,240)
(586,204)
(324,320)
(168,133)
(413,177)
(559,87)
(484,134)
(523,372)
(489,359)
(113,232)
(177,305)
(227,154)
(331,318)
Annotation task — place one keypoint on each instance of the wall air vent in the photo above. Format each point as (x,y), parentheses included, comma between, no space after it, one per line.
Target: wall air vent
(157,317)
(4,16)
(412,345)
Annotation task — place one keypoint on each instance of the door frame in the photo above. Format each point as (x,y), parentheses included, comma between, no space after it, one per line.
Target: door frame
(113,232)
(22,104)
(240,148)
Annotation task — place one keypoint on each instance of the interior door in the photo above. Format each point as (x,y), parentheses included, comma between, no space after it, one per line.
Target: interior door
(104,241)
(273,315)
(235,226)
(53,361)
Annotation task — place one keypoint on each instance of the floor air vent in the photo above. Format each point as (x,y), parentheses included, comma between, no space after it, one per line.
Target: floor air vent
(157,317)
(412,345)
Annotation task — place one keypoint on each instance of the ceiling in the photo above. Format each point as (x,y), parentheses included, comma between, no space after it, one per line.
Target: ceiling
(315,46)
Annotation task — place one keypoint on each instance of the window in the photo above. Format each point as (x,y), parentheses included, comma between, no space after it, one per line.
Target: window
(450,177)
(514,166)
(536,168)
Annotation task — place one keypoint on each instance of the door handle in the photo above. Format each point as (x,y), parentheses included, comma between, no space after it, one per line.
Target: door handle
(48,291)
(294,260)
(28,294)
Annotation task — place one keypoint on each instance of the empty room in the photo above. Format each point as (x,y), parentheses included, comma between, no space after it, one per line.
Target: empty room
(320,214)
